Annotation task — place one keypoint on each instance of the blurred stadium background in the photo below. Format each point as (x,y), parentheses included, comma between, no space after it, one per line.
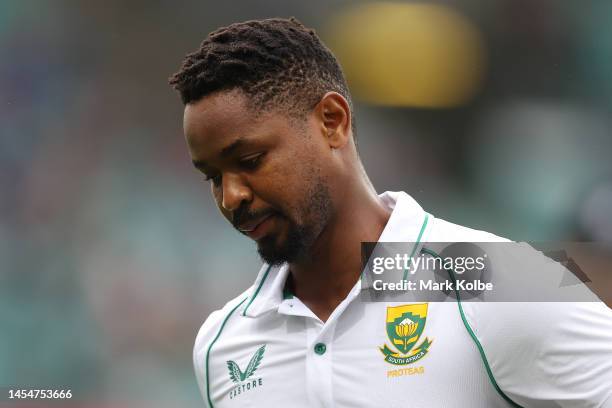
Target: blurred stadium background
(492,114)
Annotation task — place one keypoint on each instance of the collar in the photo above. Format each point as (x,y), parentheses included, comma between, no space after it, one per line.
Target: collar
(408,223)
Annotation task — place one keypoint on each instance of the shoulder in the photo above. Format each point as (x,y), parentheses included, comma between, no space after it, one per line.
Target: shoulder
(208,334)
(444,231)
(546,351)
(217,319)
(543,350)
(537,351)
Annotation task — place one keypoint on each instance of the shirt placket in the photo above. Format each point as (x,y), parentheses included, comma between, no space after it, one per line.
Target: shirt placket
(320,348)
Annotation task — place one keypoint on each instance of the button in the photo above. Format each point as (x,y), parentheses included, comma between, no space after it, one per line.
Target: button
(320,348)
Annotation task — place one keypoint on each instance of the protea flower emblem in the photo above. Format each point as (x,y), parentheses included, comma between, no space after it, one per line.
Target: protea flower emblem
(405,330)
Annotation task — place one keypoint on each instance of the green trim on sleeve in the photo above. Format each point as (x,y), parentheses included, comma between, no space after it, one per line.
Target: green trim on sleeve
(258,289)
(210,347)
(451,273)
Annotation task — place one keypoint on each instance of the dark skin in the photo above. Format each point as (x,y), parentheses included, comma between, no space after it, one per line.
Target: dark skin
(266,162)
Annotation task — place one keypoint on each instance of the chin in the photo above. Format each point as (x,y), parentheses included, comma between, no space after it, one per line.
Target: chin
(271,257)
(276,253)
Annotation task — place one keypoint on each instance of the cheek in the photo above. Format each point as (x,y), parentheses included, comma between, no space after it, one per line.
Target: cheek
(291,194)
(280,184)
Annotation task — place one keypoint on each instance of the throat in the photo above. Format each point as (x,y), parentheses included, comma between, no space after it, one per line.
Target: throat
(321,294)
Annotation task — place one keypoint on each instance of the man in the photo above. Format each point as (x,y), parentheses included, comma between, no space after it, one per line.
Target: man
(269,120)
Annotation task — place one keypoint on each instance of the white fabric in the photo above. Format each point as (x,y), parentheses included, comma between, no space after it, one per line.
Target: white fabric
(540,354)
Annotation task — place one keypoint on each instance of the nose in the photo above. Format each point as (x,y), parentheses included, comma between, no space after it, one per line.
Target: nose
(235,191)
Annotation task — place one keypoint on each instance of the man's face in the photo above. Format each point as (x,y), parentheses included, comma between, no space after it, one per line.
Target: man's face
(268,172)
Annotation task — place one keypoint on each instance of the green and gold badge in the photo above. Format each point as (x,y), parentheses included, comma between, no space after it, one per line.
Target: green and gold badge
(404,326)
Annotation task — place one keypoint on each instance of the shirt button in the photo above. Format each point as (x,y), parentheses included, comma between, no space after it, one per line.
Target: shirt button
(320,348)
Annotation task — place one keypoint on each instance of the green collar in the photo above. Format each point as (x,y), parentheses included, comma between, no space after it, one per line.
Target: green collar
(286,291)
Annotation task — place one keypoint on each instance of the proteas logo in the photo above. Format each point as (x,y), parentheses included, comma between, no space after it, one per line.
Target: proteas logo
(240,378)
(405,325)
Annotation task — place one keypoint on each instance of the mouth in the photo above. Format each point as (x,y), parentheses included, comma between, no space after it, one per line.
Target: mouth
(257,228)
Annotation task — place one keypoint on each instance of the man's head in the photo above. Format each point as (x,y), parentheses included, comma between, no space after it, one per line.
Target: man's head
(268,120)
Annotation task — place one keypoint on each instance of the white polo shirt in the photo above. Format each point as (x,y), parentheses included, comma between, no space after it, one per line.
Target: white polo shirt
(265,348)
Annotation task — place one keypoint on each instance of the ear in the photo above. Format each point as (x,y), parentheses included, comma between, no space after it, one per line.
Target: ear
(334,115)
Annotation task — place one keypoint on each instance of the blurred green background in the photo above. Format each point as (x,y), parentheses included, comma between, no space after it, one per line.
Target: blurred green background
(492,114)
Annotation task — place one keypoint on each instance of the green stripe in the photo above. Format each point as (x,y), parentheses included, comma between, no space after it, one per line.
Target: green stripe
(258,289)
(451,273)
(417,242)
(287,293)
(210,347)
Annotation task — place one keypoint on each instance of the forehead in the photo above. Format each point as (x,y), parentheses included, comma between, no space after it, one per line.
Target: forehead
(222,112)
(221,118)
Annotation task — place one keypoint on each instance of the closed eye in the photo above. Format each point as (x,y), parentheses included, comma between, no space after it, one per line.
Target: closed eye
(247,163)
(251,162)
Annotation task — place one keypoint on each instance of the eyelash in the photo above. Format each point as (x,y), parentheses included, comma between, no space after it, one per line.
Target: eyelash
(249,164)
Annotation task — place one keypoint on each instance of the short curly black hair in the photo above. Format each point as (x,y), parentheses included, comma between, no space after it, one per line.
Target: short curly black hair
(278,63)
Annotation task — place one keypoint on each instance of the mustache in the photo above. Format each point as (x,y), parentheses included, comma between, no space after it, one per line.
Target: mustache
(243,215)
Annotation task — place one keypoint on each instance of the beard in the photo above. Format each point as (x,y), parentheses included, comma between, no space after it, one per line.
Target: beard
(292,249)
(316,210)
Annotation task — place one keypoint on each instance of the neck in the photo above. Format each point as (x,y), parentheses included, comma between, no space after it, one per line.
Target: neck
(334,264)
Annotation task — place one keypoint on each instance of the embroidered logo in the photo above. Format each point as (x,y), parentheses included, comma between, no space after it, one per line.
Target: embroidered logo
(404,326)
(240,378)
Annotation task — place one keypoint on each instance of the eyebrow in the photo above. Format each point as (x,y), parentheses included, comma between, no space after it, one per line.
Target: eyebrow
(226,151)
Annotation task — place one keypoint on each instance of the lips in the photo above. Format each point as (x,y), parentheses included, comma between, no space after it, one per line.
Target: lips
(252,225)
(259,228)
